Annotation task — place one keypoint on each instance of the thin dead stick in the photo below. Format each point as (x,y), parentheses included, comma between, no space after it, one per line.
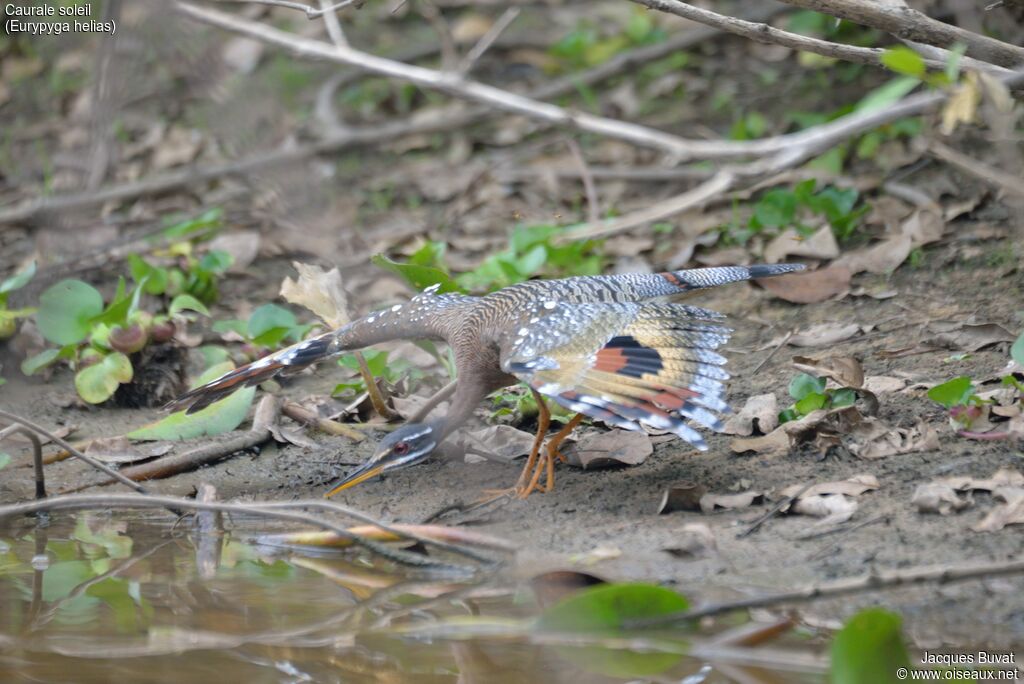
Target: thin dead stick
(773,352)
(942,574)
(439,533)
(311,12)
(73,451)
(376,392)
(455,85)
(332,24)
(432,403)
(909,24)
(444,119)
(773,511)
(300,414)
(37,455)
(487,40)
(765,33)
(1000,179)
(129,501)
(593,206)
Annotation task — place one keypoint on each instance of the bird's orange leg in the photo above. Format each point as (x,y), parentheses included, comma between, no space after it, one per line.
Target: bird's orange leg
(543,423)
(550,453)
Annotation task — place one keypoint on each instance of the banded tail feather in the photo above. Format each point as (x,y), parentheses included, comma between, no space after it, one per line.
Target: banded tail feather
(287,361)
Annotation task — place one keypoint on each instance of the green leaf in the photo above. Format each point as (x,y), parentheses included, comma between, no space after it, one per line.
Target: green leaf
(34,364)
(187,301)
(1017,350)
(776,208)
(98,382)
(268,318)
(803,384)
(903,60)
(5,460)
(122,306)
(217,418)
(19,279)
(419,277)
(810,402)
(843,397)
(787,415)
(869,649)
(955,392)
(66,311)
(216,261)
(156,278)
(888,94)
(207,222)
(604,611)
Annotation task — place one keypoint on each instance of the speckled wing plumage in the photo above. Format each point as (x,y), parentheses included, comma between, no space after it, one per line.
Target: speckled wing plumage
(625,363)
(594,345)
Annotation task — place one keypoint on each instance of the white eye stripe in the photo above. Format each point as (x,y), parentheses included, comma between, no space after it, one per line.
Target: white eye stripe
(416,435)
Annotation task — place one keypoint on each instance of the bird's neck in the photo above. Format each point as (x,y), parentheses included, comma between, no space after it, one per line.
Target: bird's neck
(467,397)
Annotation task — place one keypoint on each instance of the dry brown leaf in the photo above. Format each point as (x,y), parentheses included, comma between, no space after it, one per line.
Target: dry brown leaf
(694,540)
(121,451)
(596,555)
(502,442)
(179,146)
(242,245)
(291,435)
(809,287)
(883,257)
(845,370)
(874,439)
(684,496)
(1004,477)
(824,334)
(883,384)
(960,336)
(761,412)
(821,245)
(319,291)
(832,509)
(713,502)
(923,227)
(615,448)
(470,27)
(938,497)
(963,105)
(855,485)
(1010,513)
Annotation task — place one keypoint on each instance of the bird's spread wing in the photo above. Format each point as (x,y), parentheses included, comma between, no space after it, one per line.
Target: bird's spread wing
(625,363)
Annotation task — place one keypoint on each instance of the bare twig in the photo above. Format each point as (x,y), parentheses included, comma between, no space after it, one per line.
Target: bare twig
(73,451)
(311,12)
(765,33)
(445,119)
(940,574)
(334,30)
(37,455)
(300,414)
(432,403)
(909,24)
(681,148)
(377,394)
(266,510)
(771,512)
(1004,181)
(593,206)
(773,352)
(487,40)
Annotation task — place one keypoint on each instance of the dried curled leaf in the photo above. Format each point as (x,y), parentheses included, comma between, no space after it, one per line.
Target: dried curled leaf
(319,291)
(606,449)
(809,287)
(845,370)
(761,412)
(938,497)
(712,502)
(684,496)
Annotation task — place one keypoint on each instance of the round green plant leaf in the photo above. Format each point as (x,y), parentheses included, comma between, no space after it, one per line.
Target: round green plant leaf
(869,649)
(66,311)
(803,384)
(98,382)
(604,611)
(217,418)
(955,392)
(1017,350)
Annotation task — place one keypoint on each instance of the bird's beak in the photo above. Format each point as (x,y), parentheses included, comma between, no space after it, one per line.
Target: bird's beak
(364,472)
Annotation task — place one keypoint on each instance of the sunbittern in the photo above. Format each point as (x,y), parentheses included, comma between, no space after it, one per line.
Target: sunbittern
(596,345)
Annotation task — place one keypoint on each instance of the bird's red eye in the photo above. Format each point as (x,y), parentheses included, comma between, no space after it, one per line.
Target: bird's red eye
(401,448)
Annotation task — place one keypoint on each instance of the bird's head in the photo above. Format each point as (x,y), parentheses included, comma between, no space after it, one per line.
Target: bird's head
(406,446)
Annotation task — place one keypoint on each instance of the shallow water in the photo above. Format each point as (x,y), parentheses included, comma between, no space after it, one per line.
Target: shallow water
(99,597)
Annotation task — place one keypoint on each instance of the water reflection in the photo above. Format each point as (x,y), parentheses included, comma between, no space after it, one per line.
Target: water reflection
(99,598)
